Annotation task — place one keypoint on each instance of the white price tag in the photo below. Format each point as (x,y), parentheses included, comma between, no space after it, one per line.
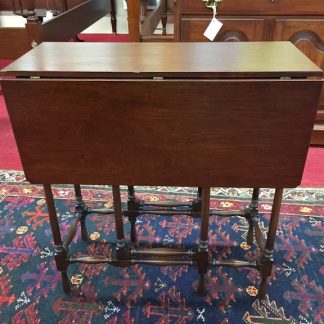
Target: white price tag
(213,29)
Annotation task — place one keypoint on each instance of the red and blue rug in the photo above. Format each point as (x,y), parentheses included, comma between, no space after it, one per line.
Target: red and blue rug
(30,286)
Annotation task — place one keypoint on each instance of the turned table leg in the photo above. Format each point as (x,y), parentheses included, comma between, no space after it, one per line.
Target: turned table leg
(253,219)
(81,211)
(60,251)
(164,19)
(267,258)
(203,241)
(196,204)
(133,206)
(121,251)
(113,19)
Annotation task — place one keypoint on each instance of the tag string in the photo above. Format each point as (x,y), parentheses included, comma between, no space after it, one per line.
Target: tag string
(214,11)
(213,5)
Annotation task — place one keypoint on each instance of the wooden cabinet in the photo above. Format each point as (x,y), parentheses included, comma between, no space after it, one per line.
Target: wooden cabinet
(8,5)
(298,21)
(258,7)
(234,29)
(306,34)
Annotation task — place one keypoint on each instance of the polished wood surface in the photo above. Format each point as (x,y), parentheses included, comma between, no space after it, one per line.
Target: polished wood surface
(188,138)
(141,60)
(203,135)
(298,21)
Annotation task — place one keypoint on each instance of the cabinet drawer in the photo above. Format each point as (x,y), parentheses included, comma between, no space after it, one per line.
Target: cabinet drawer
(234,29)
(260,7)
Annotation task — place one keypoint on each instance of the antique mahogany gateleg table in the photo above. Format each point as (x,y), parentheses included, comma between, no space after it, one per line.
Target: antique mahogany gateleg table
(211,114)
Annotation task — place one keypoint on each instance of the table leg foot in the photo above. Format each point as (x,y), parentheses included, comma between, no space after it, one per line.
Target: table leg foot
(65,282)
(60,255)
(263,288)
(196,204)
(84,231)
(201,284)
(133,236)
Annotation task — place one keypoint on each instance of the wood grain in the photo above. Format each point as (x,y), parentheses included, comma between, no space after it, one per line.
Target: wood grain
(7,5)
(185,60)
(300,22)
(13,42)
(248,133)
(259,7)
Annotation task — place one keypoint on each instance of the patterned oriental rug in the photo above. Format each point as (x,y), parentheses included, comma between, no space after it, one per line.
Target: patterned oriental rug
(30,286)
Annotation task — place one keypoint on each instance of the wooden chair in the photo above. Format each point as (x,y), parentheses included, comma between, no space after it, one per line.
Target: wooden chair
(142,23)
(71,18)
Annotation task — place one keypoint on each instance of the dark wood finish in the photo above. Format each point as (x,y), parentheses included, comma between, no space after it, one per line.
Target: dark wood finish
(81,211)
(281,162)
(118,214)
(7,5)
(13,42)
(298,21)
(136,60)
(113,18)
(71,233)
(60,251)
(237,123)
(202,255)
(142,23)
(256,7)
(234,29)
(125,60)
(267,258)
(253,220)
(195,214)
(69,23)
(204,215)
